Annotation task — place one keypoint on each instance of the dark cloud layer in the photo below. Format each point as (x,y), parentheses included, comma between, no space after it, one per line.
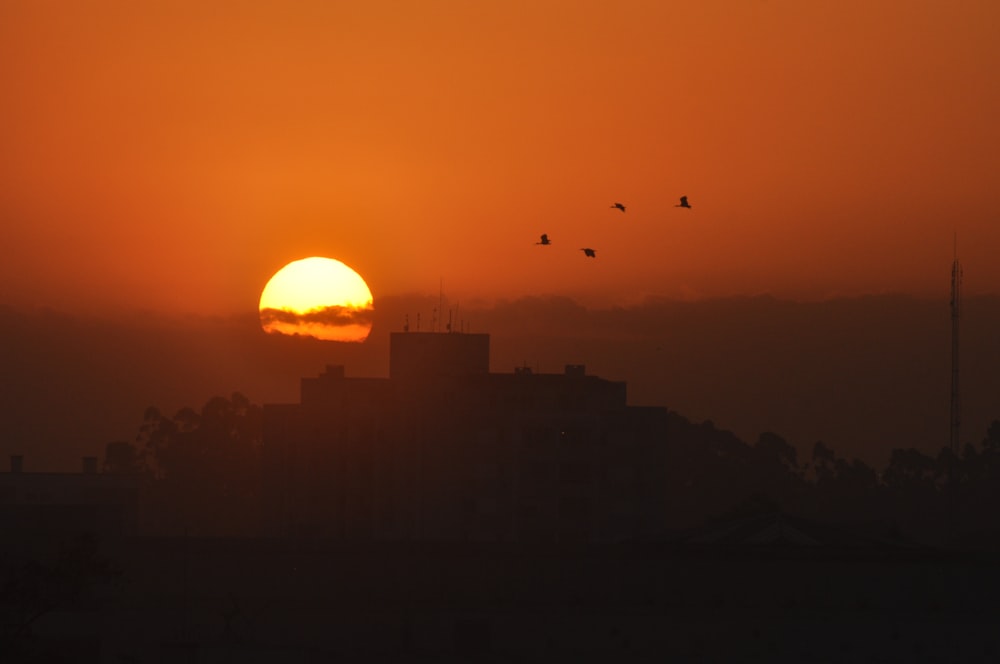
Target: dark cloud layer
(333,316)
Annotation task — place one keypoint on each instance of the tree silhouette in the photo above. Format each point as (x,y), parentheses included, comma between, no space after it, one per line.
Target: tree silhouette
(121,457)
(206,463)
(205,467)
(991,442)
(775,448)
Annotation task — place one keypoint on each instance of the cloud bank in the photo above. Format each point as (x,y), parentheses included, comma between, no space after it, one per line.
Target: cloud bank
(333,323)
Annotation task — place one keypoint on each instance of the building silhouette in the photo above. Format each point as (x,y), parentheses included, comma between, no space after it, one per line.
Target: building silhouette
(444,450)
(40,503)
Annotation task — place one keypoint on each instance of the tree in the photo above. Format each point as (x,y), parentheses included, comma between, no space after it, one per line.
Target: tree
(992,440)
(776,448)
(156,434)
(207,464)
(911,470)
(121,457)
(824,461)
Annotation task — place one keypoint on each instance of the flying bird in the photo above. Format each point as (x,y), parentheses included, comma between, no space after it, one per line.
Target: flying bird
(589,253)
(619,206)
(684,203)
(545,239)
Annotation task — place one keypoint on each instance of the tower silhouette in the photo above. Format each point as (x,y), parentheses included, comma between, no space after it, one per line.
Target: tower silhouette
(956,315)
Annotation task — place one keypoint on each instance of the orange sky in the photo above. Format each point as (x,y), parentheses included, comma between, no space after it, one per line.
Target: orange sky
(172,155)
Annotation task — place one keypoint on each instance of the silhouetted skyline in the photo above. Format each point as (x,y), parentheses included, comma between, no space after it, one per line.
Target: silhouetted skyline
(448,510)
(765,438)
(863,375)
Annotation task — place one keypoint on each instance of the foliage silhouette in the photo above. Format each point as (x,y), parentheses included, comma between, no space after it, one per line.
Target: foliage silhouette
(205,464)
(122,457)
(205,471)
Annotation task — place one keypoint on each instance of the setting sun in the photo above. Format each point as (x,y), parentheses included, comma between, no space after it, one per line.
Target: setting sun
(317,297)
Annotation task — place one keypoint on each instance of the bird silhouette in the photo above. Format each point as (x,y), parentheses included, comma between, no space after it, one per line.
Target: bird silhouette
(684,203)
(545,239)
(589,253)
(619,206)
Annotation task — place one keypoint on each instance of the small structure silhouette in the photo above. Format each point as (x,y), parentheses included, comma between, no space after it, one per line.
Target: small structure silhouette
(545,240)
(589,253)
(38,503)
(619,206)
(684,203)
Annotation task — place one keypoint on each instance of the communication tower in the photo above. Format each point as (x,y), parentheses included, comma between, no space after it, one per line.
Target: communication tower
(956,314)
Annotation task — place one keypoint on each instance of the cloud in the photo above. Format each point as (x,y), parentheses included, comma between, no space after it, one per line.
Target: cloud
(333,323)
(334,315)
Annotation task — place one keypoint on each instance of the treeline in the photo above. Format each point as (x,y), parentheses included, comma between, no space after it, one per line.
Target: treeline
(203,474)
(937,498)
(201,468)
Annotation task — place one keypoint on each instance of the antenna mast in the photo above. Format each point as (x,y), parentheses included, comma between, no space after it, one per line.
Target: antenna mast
(956,313)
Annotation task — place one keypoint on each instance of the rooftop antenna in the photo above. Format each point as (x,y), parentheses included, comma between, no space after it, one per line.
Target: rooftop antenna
(441,300)
(956,314)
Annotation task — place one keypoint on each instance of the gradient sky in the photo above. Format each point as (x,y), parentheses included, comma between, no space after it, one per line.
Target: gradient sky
(172,155)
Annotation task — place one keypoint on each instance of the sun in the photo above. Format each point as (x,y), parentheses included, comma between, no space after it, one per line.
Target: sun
(317,297)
